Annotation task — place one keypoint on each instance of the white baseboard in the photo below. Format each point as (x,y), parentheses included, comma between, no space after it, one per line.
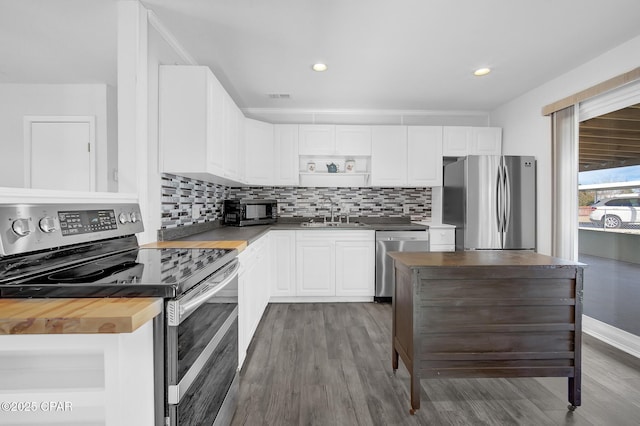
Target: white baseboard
(320,299)
(617,338)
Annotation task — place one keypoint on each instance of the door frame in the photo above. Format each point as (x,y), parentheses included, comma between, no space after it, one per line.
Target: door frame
(31,119)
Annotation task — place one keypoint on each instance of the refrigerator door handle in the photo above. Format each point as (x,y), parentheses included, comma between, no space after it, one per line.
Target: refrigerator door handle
(507,198)
(499,200)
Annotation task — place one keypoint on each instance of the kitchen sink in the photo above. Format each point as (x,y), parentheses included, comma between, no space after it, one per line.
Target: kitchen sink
(341,225)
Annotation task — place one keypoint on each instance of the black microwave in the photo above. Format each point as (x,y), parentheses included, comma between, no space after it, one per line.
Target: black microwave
(250,212)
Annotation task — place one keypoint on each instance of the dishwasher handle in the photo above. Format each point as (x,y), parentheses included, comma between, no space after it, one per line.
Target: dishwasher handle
(405,238)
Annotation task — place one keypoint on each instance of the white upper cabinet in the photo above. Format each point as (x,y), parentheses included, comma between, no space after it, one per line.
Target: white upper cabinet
(487,141)
(317,139)
(200,127)
(424,162)
(259,152)
(329,139)
(286,154)
(233,121)
(460,141)
(186,101)
(389,155)
(353,140)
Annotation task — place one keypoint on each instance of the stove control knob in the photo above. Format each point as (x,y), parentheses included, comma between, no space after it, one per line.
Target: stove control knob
(47,224)
(123,218)
(134,217)
(21,227)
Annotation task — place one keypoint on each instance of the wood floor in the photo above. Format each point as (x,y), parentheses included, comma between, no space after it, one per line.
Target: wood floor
(330,364)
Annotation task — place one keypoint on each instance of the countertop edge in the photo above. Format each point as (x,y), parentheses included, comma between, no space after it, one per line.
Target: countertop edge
(77,315)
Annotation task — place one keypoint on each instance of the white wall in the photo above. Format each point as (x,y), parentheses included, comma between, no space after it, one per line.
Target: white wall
(18,100)
(527,132)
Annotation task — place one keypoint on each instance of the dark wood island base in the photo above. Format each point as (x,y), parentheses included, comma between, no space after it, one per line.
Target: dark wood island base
(487,314)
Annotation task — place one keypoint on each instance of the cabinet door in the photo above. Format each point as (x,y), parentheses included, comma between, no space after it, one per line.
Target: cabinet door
(283,245)
(259,152)
(456,141)
(388,155)
(215,147)
(261,284)
(244,309)
(424,144)
(183,118)
(231,132)
(355,263)
(316,139)
(315,268)
(286,154)
(486,141)
(353,140)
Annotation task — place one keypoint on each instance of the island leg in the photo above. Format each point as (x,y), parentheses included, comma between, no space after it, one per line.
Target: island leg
(575,399)
(415,393)
(394,359)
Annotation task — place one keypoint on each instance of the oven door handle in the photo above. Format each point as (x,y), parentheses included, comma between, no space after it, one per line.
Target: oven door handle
(179,309)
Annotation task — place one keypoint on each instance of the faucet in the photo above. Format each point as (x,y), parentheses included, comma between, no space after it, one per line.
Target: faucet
(326,197)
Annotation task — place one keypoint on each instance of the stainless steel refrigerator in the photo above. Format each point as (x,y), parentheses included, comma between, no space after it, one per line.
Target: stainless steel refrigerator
(492,202)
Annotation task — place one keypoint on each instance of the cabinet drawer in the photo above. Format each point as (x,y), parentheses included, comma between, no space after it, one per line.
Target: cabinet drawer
(442,247)
(442,236)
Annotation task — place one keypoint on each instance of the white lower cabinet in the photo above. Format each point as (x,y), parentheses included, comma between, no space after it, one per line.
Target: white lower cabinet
(335,264)
(354,268)
(315,266)
(442,237)
(253,291)
(283,263)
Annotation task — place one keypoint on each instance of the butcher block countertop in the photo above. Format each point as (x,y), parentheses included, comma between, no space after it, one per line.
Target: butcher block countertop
(76,316)
(238,245)
(487,258)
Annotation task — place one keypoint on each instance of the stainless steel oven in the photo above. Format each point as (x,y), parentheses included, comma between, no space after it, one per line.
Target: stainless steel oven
(202,351)
(88,250)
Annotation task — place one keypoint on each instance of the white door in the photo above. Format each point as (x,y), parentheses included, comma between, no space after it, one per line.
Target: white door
(60,153)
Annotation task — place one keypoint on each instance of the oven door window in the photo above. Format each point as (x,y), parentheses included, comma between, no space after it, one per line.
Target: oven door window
(203,400)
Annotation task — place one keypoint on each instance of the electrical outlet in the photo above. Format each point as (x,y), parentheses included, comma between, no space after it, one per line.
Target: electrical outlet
(406,209)
(195,211)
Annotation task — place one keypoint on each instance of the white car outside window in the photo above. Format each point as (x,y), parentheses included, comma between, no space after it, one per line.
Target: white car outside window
(615,212)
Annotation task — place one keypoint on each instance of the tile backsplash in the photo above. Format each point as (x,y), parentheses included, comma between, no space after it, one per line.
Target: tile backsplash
(180,195)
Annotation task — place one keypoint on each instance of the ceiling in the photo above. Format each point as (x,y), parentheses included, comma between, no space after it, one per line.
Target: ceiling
(382,55)
(610,140)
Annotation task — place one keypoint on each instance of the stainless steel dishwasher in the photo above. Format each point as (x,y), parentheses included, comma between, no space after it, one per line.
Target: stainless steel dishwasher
(388,241)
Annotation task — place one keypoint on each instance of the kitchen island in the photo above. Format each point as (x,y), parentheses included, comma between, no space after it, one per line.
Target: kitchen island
(478,314)
(78,361)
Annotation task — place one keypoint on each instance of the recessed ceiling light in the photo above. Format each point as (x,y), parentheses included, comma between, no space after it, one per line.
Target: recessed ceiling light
(319,67)
(482,71)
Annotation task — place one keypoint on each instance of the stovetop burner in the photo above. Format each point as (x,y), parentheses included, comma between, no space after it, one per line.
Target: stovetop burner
(135,273)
